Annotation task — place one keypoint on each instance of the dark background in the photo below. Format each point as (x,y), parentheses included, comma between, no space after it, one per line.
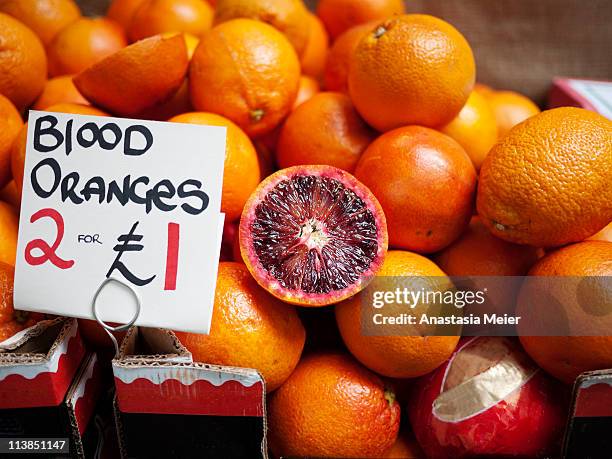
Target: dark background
(519,44)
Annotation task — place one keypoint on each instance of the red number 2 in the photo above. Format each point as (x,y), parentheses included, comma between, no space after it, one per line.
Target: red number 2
(48,252)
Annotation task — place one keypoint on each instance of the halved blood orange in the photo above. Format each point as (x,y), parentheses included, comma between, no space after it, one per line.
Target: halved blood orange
(313,235)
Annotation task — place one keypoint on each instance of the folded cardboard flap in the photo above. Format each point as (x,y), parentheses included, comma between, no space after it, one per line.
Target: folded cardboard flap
(168,405)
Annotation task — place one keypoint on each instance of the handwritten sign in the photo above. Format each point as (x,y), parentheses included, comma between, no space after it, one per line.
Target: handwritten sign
(131,200)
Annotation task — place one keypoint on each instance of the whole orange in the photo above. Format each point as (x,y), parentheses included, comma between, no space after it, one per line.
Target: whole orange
(332,407)
(23,63)
(324,130)
(138,77)
(308,87)
(122,11)
(154,17)
(250,328)
(340,15)
(19,146)
(396,356)
(246,71)
(315,53)
(475,128)
(59,90)
(546,183)
(9,224)
(510,108)
(339,56)
(11,123)
(603,235)
(241,169)
(84,43)
(288,16)
(44,17)
(565,357)
(411,69)
(425,183)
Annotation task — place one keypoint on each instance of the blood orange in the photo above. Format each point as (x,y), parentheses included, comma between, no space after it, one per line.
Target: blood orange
(313,235)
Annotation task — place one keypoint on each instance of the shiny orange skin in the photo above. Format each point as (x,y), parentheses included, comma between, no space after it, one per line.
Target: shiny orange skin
(323,130)
(510,108)
(23,63)
(412,170)
(9,224)
(11,123)
(241,169)
(19,146)
(250,328)
(44,17)
(335,75)
(288,16)
(11,195)
(84,43)
(314,55)
(308,88)
(154,17)
(565,357)
(11,321)
(122,11)
(478,253)
(411,69)
(332,407)
(395,356)
(556,191)
(59,90)
(340,15)
(246,71)
(603,235)
(474,127)
(137,77)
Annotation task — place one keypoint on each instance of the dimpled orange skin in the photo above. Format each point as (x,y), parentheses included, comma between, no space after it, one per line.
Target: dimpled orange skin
(478,253)
(315,52)
(510,108)
(288,16)
(340,15)
(11,321)
(323,130)
(332,407)
(137,77)
(425,183)
(241,169)
(23,63)
(250,328)
(122,11)
(412,69)
(44,17)
(335,75)
(395,356)
(475,128)
(19,146)
(246,71)
(565,357)
(307,89)
(154,17)
(9,224)
(546,183)
(84,43)
(11,123)
(59,90)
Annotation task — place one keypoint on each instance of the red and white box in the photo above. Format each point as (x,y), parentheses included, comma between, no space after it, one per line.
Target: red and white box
(169,406)
(594,95)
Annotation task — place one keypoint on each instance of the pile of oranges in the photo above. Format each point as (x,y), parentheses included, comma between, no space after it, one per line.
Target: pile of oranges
(459,178)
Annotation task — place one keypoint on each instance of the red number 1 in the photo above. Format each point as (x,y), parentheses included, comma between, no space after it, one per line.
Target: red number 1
(172,256)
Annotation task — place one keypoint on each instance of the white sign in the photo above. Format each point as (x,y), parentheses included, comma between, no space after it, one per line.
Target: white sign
(131,200)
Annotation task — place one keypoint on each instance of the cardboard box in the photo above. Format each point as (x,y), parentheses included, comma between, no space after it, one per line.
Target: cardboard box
(169,406)
(590,422)
(591,95)
(50,387)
